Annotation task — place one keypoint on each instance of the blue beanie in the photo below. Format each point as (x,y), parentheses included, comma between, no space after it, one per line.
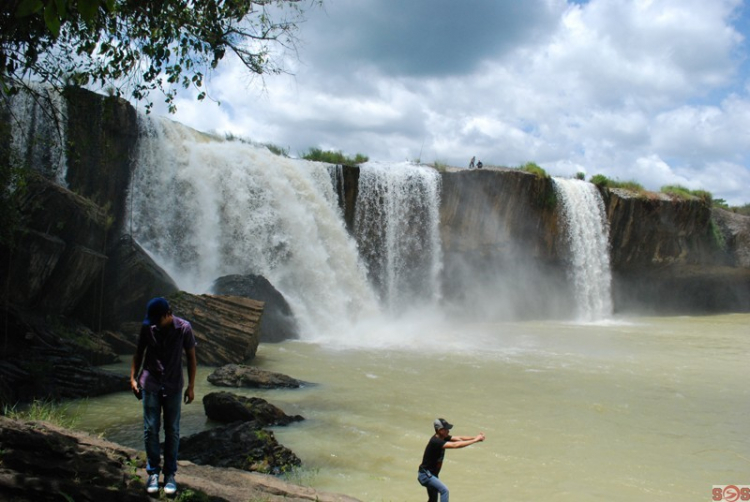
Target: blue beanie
(155,310)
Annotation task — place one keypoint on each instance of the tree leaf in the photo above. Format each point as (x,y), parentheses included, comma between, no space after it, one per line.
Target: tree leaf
(88,9)
(28,7)
(51,19)
(62,8)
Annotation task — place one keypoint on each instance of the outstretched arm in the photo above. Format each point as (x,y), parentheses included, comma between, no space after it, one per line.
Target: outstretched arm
(464,441)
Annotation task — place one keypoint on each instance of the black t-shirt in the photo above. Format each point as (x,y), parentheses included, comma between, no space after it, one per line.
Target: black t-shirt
(433,455)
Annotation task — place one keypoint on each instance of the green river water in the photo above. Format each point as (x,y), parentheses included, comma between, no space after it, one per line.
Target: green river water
(633,409)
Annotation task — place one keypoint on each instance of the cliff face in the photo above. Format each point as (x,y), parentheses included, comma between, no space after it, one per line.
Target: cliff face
(666,255)
(503,248)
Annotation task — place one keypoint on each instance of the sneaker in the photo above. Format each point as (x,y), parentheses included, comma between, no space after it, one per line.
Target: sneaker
(170,487)
(153,484)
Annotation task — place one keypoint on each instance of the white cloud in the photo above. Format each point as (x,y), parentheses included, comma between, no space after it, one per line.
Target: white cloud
(633,89)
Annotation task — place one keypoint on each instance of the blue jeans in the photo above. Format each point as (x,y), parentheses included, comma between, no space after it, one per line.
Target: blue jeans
(153,405)
(434,486)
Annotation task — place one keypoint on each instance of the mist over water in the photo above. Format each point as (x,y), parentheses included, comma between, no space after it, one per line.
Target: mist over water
(587,232)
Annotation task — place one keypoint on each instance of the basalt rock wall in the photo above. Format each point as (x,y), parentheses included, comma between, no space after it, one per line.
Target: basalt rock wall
(505,252)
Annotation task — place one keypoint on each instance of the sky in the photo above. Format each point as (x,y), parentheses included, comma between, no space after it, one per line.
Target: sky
(654,91)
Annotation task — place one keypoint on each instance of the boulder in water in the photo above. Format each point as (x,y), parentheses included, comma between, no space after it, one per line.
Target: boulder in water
(237,375)
(278,322)
(227,408)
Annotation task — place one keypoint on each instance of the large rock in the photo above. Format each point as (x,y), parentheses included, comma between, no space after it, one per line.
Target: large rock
(60,251)
(40,360)
(45,463)
(131,279)
(242,445)
(278,322)
(226,407)
(237,375)
(734,232)
(102,133)
(225,327)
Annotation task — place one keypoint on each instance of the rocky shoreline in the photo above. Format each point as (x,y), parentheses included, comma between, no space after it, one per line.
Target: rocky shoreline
(43,462)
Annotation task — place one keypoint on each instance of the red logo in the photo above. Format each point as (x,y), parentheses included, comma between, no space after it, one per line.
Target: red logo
(730,493)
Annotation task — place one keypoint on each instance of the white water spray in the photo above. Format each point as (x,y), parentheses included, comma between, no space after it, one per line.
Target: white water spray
(205,208)
(588,235)
(397,228)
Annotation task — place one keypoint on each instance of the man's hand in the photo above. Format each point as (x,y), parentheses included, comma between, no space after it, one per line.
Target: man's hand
(189,395)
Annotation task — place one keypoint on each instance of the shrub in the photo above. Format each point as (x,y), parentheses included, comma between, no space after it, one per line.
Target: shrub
(535,169)
(333,157)
(580,175)
(602,181)
(681,192)
(277,150)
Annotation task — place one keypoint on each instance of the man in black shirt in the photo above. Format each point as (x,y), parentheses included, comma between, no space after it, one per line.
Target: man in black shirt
(432,460)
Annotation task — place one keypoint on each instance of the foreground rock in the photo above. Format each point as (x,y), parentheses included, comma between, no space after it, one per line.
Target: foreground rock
(238,375)
(226,407)
(42,462)
(40,360)
(242,445)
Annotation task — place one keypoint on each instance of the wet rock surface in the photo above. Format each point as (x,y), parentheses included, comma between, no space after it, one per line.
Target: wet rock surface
(226,407)
(238,375)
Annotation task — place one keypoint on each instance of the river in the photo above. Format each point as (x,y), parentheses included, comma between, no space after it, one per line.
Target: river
(652,408)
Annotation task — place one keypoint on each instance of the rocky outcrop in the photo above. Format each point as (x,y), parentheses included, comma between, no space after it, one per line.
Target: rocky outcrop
(131,277)
(101,137)
(60,250)
(39,360)
(225,327)
(42,462)
(226,407)
(241,445)
(237,375)
(278,322)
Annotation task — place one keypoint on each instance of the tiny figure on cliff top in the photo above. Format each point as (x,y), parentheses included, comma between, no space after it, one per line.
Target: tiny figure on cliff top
(471,164)
(432,460)
(479,165)
(156,378)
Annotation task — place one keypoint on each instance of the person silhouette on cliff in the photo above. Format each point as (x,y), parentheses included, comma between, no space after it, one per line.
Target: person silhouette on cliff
(432,460)
(162,340)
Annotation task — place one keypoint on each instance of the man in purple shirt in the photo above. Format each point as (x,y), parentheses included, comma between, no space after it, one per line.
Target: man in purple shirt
(161,342)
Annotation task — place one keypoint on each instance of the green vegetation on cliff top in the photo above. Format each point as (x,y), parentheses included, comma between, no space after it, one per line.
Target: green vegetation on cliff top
(334,157)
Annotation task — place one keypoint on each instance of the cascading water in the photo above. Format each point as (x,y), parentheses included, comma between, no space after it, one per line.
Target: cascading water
(397,228)
(588,235)
(205,208)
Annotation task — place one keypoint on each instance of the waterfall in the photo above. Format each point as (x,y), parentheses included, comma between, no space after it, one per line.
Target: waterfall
(205,208)
(397,228)
(587,233)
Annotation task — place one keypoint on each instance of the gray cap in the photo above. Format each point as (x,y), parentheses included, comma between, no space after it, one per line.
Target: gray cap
(441,423)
